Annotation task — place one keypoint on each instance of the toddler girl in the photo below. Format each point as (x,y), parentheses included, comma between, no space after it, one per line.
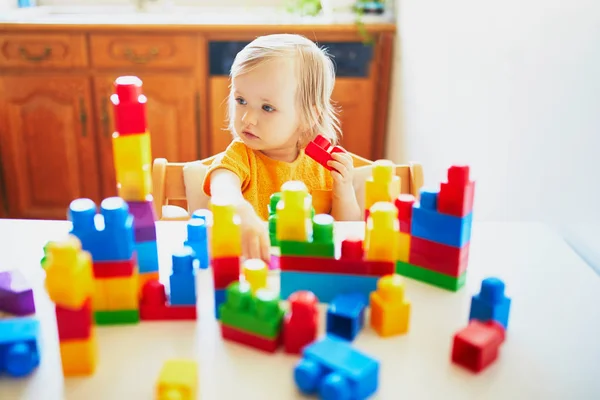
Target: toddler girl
(280,100)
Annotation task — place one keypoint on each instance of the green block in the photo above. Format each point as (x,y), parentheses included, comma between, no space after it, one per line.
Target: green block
(307,249)
(121,317)
(273,230)
(259,314)
(428,276)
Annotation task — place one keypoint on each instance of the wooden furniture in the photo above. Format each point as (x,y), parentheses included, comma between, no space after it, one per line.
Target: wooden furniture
(551,349)
(169,186)
(56,117)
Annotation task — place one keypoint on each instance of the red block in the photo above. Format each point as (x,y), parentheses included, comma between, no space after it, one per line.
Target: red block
(439,257)
(114,269)
(320,150)
(154,305)
(74,324)
(249,339)
(225,271)
(301,322)
(456,196)
(476,346)
(129,106)
(352,249)
(335,266)
(404,203)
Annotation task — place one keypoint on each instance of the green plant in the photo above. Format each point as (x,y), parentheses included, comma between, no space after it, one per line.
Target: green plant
(303,7)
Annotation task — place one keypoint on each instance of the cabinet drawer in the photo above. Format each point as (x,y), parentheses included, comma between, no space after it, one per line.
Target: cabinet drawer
(47,50)
(176,51)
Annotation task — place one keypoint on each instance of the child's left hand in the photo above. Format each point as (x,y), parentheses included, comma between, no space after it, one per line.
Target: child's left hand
(342,172)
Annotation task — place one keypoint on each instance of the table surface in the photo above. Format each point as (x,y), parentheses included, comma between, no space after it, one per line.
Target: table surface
(552,349)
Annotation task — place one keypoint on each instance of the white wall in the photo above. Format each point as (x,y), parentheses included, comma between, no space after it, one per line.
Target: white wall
(511,88)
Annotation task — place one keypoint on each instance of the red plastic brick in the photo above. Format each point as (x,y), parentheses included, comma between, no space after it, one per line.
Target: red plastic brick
(456,196)
(438,257)
(404,203)
(301,322)
(335,266)
(352,249)
(129,106)
(320,150)
(249,339)
(476,346)
(114,269)
(225,271)
(154,305)
(74,324)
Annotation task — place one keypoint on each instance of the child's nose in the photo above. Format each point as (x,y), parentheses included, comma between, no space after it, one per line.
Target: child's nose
(249,118)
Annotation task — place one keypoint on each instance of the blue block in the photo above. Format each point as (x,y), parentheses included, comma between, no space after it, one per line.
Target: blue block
(334,370)
(491,303)
(183,278)
(19,350)
(197,240)
(427,223)
(325,286)
(219,299)
(147,256)
(203,214)
(346,315)
(108,236)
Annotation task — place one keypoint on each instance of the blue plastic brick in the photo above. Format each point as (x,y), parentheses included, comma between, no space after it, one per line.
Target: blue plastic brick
(19,349)
(183,278)
(147,257)
(197,240)
(346,315)
(325,286)
(204,214)
(334,370)
(491,303)
(108,236)
(219,299)
(428,223)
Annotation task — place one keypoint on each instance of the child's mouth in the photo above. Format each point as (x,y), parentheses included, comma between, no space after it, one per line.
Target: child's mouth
(249,135)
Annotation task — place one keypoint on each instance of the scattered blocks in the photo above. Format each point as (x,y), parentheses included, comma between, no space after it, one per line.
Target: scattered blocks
(476,346)
(16,294)
(491,303)
(300,323)
(183,278)
(178,380)
(331,368)
(320,150)
(390,310)
(346,315)
(19,346)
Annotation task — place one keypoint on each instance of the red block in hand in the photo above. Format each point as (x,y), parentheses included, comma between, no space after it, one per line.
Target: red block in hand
(301,322)
(320,150)
(456,196)
(74,324)
(476,346)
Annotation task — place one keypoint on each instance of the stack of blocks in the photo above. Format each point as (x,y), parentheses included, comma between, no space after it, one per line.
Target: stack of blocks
(19,328)
(70,285)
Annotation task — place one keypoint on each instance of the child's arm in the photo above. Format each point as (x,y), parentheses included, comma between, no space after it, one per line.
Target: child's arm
(344,205)
(225,186)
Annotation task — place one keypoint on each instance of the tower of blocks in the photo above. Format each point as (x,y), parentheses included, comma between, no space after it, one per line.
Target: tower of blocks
(70,285)
(19,327)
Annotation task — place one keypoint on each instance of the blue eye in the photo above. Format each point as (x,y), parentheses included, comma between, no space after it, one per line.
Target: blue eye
(240,101)
(268,108)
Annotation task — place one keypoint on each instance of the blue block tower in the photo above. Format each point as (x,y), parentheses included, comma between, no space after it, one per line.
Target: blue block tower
(491,303)
(183,278)
(197,239)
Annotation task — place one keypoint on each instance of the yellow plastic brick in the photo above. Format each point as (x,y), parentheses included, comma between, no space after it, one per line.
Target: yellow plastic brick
(226,233)
(79,357)
(382,228)
(255,273)
(390,310)
(294,213)
(133,166)
(178,380)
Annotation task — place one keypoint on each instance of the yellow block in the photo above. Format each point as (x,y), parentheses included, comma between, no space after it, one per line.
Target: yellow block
(132,158)
(79,357)
(226,233)
(293,212)
(255,273)
(382,230)
(115,294)
(390,310)
(178,380)
(69,276)
(383,185)
(403,246)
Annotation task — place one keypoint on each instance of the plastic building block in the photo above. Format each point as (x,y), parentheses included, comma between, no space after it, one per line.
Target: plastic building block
(129,105)
(133,165)
(183,278)
(226,234)
(447,260)
(255,272)
(344,266)
(383,184)
(405,203)
(334,370)
(79,357)
(16,294)
(19,347)
(325,286)
(321,244)
(476,346)
(197,239)
(114,269)
(457,195)
(491,303)
(390,310)
(240,336)
(382,225)
(147,256)
(154,305)
(120,317)
(116,294)
(225,271)
(219,300)
(300,323)
(74,323)
(294,213)
(203,214)
(144,218)
(346,315)
(430,224)
(320,150)
(404,247)
(178,380)
(260,315)
(108,236)
(431,277)
(146,277)
(272,208)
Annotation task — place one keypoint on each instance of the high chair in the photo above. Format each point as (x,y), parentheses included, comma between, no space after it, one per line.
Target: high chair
(181,183)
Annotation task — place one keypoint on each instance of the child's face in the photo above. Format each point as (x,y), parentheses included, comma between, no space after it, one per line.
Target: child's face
(265,114)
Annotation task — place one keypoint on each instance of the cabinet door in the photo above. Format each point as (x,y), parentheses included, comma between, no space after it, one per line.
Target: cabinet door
(354,98)
(173,117)
(220,137)
(47,144)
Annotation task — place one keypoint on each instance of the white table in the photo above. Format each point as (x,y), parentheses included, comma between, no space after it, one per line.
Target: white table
(552,349)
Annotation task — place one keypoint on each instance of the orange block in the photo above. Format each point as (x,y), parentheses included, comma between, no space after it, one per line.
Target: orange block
(390,310)
(114,294)
(144,278)
(79,357)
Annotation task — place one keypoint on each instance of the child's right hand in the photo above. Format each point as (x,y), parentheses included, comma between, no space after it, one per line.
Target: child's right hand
(255,234)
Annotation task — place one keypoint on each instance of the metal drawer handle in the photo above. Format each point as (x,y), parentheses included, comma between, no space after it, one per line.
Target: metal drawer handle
(140,59)
(35,58)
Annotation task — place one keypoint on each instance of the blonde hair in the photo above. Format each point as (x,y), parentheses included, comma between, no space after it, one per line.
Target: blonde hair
(316,78)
